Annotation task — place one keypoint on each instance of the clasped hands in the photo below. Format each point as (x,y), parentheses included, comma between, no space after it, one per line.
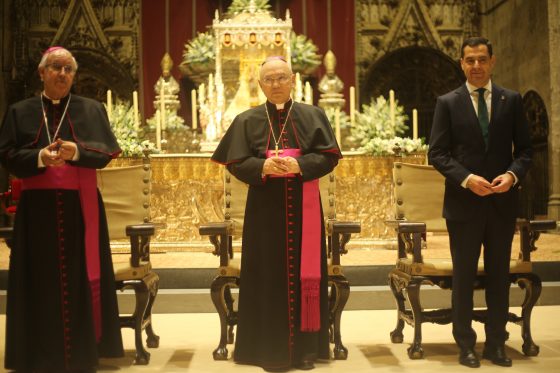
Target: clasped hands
(482,187)
(280,166)
(57,153)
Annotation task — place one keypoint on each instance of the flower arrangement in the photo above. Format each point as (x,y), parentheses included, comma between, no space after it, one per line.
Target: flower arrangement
(376,135)
(304,56)
(200,50)
(331,116)
(238,6)
(128,138)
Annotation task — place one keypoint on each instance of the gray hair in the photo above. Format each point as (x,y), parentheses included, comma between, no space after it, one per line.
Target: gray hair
(57,51)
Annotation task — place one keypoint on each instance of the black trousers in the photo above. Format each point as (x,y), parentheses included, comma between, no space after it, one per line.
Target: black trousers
(494,232)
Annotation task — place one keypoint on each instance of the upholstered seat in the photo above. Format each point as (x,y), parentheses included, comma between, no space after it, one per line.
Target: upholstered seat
(222,234)
(418,195)
(126,194)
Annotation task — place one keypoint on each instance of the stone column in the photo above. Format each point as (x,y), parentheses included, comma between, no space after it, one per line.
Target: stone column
(554,130)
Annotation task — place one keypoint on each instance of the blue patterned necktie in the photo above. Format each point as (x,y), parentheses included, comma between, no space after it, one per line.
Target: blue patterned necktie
(483,114)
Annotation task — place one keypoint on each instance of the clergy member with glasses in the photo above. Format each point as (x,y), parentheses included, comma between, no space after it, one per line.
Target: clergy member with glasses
(281,148)
(480,143)
(62,309)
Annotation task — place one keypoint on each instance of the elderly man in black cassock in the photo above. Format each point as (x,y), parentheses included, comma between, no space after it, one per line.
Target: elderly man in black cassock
(62,310)
(281,149)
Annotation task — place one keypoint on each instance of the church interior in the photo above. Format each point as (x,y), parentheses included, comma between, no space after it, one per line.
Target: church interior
(173,74)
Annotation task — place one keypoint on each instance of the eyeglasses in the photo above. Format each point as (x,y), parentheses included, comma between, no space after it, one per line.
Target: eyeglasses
(282,79)
(68,69)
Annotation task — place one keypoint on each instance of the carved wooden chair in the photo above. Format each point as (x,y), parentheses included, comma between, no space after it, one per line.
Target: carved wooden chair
(222,235)
(126,193)
(418,192)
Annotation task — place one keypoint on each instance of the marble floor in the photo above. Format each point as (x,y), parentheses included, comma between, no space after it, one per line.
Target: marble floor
(187,341)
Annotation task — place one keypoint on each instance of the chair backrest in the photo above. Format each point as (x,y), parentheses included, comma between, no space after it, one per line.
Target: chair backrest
(235,197)
(418,191)
(126,196)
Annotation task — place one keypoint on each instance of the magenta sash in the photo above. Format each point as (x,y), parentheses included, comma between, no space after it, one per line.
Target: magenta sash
(310,265)
(85,181)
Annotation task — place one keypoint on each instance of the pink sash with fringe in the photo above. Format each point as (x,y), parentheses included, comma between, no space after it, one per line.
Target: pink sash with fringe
(310,266)
(85,181)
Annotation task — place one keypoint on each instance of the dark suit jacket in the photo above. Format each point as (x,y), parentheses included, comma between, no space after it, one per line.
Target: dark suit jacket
(457,149)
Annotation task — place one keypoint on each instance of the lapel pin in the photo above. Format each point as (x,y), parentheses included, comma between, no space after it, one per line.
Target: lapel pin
(503,97)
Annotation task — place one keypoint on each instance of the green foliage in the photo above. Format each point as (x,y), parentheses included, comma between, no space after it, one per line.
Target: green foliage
(128,137)
(200,50)
(376,135)
(238,6)
(304,53)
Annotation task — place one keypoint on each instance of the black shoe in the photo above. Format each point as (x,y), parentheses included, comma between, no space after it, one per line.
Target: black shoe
(304,365)
(468,358)
(497,355)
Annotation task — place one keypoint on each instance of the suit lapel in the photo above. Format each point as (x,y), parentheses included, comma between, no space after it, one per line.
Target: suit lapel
(498,101)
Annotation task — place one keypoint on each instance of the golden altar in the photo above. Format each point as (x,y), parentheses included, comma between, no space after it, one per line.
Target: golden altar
(187,190)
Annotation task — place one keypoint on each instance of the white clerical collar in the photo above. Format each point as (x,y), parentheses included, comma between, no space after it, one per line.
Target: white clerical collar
(56,102)
(472,88)
(280,106)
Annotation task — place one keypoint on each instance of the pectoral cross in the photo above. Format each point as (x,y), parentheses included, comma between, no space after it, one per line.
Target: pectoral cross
(276,151)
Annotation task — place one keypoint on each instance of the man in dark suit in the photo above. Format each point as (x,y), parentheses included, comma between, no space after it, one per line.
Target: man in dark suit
(480,142)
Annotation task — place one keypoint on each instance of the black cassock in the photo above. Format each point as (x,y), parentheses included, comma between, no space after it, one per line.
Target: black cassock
(49,323)
(268,331)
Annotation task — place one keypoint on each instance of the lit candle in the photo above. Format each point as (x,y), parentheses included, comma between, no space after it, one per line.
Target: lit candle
(352,105)
(392,107)
(414,124)
(308,94)
(162,106)
(337,126)
(158,130)
(135,106)
(193,99)
(109,104)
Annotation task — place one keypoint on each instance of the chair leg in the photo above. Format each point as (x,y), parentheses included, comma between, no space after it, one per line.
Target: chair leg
(153,339)
(217,290)
(397,334)
(340,293)
(231,318)
(415,351)
(142,298)
(533,286)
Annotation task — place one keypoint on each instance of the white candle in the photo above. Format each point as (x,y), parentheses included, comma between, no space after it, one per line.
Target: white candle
(352,105)
(135,106)
(109,104)
(162,106)
(299,91)
(201,95)
(158,130)
(308,94)
(414,124)
(392,107)
(337,126)
(193,99)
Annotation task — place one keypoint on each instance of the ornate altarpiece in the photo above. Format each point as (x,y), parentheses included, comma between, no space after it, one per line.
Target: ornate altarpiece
(412,43)
(102,35)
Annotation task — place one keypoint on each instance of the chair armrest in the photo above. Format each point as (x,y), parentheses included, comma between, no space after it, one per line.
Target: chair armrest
(140,235)
(220,235)
(409,236)
(529,232)
(339,233)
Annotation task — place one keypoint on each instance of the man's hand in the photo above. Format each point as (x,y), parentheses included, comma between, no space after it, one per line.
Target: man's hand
(280,166)
(502,183)
(479,186)
(50,156)
(66,150)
